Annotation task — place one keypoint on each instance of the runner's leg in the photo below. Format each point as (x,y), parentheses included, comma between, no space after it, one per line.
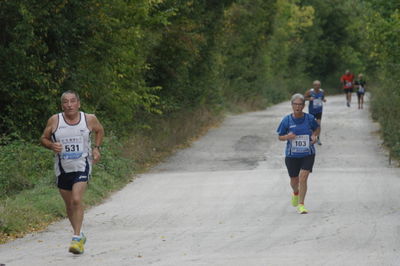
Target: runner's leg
(303,185)
(294,183)
(362,100)
(67,195)
(74,205)
(350,94)
(348,98)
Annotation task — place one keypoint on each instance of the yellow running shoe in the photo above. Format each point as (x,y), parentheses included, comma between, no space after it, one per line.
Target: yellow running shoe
(295,200)
(77,244)
(301,209)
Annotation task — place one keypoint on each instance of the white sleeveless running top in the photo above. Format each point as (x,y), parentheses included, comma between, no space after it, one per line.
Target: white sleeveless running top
(76,151)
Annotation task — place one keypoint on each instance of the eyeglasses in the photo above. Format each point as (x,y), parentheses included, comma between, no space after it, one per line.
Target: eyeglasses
(298,104)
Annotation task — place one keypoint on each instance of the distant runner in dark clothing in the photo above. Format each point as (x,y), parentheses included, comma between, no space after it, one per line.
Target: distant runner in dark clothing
(316,96)
(360,86)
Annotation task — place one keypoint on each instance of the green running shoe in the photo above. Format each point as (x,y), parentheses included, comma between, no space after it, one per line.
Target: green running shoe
(77,244)
(301,209)
(295,200)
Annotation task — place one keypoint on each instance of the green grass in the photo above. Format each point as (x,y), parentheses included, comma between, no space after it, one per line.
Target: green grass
(31,201)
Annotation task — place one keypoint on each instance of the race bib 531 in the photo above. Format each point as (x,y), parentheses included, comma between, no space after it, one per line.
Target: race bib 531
(72,147)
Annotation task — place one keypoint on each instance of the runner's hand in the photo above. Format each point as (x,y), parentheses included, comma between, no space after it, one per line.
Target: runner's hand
(56,147)
(96,155)
(313,139)
(291,135)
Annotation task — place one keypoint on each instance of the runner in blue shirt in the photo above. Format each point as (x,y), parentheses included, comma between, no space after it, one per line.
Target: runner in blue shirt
(300,131)
(316,96)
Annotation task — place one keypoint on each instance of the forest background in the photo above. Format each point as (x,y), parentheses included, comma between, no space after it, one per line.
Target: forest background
(158,73)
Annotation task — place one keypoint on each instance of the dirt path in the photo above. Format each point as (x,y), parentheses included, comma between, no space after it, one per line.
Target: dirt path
(226,201)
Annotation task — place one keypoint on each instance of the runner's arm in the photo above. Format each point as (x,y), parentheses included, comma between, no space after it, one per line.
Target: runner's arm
(97,128)
(288,136)
(283,131)
(315,134)
(323,97)
(307,96)
(46,140)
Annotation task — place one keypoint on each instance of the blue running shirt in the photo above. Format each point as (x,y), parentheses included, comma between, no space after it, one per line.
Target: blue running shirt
(315,106)
(303,128)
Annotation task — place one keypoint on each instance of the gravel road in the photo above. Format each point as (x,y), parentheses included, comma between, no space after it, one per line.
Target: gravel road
(226,201)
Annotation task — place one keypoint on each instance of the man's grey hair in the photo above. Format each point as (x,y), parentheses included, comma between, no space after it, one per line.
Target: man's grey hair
(298,96)
(70,92)
(316,82)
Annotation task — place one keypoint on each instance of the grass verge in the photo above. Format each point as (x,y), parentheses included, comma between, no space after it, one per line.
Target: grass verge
(33,208)
(385,110)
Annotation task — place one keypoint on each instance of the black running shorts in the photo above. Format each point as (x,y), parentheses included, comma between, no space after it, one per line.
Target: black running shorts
(294,165)
(318,116)
(67,180)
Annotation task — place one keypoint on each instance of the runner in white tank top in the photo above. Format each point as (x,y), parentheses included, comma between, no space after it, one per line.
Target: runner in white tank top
(75,141)
(67,134)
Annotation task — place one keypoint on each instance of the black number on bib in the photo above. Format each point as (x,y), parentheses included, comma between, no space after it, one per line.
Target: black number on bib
(71,148)
(301,143)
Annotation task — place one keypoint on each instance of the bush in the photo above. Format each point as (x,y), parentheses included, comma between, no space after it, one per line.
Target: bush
(22,166)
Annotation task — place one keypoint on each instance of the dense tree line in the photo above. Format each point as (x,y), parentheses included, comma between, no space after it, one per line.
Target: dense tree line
(380,29)
(131,60)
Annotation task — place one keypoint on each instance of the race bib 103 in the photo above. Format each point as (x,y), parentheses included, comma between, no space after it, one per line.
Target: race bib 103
(301,144)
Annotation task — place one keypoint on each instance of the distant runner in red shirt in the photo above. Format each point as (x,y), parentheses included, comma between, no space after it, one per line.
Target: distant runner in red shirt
(348,84)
